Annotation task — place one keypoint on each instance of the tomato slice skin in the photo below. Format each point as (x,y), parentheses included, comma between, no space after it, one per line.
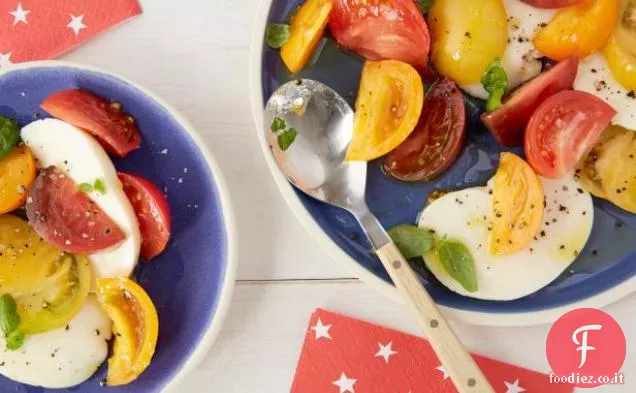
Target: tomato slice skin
(552,3)
(115,131)
(65,217)
(153,213)
(370,28)
(509,122)
(437,140)
(563,129)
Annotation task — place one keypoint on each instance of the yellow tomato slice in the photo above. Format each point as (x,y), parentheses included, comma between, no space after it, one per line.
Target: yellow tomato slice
(135,326)
(578,30)
(517,205)
(467,36)
(388,108)
(49,286)
(609,169)
(307,28)
(621,63)
(17,172)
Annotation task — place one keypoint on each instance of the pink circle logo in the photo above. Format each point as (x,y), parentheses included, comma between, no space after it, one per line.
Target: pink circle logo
(586,347)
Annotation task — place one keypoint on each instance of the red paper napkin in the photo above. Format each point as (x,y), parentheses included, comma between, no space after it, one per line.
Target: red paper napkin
(345,355)
(43,29)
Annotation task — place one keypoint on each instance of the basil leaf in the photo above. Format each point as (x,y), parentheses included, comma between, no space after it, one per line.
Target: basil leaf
(9,136)
(85,187)
(412,241)
(277,34)
(9,318)
(15,340)
(278,124)
(425,5)
(495,81)
(100,186)
(287,138)
(458,262)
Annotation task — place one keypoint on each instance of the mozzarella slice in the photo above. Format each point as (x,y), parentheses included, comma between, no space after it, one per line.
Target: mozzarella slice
(521,58)
(54,142)
(465,216)
(596,78)
(64,357)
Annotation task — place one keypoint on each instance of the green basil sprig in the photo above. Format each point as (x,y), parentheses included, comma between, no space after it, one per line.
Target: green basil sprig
(453,255)
(9,135)
(495,81)
(277,34)
(10,321)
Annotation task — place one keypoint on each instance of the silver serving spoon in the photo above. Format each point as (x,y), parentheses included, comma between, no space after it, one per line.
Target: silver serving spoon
(315,163)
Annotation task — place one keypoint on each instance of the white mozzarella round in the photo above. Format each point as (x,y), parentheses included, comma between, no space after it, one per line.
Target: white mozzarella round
(595,77)
(79,155)
(466,216)
(521,58)
(63,357)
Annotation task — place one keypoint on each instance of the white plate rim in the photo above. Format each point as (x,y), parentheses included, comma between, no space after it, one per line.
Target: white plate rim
(547,315)
(208,337)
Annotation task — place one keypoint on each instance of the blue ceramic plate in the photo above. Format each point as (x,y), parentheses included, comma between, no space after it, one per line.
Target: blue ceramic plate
(592,281)
(191,282)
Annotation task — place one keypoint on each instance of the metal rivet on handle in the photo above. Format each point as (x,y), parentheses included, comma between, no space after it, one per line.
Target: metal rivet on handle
(472,382)
(434,323)
(397,264)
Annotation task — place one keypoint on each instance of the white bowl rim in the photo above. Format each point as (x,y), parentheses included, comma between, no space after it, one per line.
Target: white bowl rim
(227,287)
(547,315)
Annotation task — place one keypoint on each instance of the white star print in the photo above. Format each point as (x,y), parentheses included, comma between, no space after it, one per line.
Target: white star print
(385,351)
(77,24)
(321,330)
(4,60)
(345,384)
(514,387)
(443,370)
(20,15)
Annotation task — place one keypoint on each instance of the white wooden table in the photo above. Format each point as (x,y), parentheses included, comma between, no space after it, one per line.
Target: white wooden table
(195,55)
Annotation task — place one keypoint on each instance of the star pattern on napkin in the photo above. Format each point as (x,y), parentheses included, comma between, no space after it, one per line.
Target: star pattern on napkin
(20,15)
(345,384)
(386,351)
(44,29)
(321,330)
(345,355)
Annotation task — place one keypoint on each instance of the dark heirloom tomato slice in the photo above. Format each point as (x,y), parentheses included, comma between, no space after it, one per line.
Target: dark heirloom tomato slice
(115,130)
(382,30)
(563,129)
(65,217)
(437,139)
(153,213)
(509,122)
(552,3)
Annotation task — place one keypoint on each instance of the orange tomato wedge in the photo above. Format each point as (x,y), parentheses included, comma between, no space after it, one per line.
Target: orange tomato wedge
(388,108)
(135,326)
(17,173)
(517,205)
(578,30)
(307,28)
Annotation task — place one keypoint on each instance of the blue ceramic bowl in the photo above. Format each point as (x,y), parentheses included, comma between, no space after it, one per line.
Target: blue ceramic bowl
(592,281)
(191,282)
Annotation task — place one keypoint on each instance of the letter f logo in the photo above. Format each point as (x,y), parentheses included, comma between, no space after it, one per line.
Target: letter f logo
(583,344)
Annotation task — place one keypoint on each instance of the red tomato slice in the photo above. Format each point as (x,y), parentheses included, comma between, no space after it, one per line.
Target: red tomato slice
(509,122)
(563,129)
(115,130)
(552,3)
(382,30)
(66,217)
(437,139)
(153,213)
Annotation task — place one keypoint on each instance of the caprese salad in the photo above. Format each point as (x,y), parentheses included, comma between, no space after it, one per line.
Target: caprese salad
(72,229)
(558,79)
